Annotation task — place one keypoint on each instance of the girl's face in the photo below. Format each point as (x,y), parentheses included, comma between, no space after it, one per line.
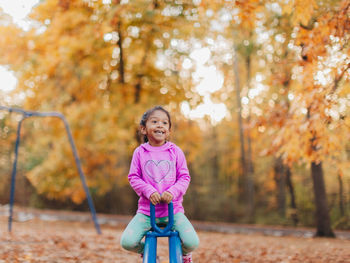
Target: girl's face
(157,128)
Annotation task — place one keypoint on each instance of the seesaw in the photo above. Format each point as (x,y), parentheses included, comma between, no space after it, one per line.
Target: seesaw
(175,250)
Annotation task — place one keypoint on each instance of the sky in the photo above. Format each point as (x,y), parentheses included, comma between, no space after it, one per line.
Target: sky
(209,79)
(18,9)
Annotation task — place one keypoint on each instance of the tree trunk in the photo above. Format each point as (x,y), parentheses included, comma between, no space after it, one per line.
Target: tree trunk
(137,91)
(280,179)
(323,222)
(293,205)
(121,54)
(195,208)
(347,200)
(215,157)
(243,171)
(250,192)
(341,195)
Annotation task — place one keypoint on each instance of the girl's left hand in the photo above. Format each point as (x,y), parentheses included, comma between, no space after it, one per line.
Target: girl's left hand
(167,197)
(155,198)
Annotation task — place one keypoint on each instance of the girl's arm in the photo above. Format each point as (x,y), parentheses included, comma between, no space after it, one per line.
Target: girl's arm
(135,178)
(182,176)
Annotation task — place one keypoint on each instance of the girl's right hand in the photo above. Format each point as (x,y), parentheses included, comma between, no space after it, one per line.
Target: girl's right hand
(155,198)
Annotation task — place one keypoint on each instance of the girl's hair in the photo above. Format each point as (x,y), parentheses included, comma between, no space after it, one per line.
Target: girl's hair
(148,113)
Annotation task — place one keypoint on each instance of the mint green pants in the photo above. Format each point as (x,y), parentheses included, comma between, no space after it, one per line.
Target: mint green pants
(132,238)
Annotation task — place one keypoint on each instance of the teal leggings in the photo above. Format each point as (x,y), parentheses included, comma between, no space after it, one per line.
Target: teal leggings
(138,227)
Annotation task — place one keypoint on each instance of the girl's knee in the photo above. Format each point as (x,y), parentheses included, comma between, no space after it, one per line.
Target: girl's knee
(129,243)
(188,235)
(131,238)
(190,244)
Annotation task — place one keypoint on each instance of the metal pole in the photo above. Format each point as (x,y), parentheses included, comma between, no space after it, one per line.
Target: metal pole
(175,249)
(13,175)
(81,174)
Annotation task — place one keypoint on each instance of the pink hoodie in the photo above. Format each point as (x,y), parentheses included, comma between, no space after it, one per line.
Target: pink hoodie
(161,169)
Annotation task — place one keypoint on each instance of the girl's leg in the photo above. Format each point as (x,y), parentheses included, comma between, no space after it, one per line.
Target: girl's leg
(132,236)
(188,235)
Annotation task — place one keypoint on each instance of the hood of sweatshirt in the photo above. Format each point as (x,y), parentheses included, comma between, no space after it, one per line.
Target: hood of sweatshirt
(164,147)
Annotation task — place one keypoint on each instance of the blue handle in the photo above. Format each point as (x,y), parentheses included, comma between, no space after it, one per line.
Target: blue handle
(170,215)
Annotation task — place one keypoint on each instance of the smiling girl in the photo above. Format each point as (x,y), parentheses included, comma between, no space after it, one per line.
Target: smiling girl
(159,174)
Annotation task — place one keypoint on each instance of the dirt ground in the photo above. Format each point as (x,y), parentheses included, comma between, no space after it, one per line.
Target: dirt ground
(38,240)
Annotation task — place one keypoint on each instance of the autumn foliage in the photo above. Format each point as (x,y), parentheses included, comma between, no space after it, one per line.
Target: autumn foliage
(285,84)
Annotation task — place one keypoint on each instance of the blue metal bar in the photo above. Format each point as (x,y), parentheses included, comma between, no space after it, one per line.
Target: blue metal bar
(13,175)
(175,249)
(27,114)
(150,250)
(81,174)
(170,216)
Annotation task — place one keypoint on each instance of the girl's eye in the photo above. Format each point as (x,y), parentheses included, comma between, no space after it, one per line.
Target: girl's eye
(165,122)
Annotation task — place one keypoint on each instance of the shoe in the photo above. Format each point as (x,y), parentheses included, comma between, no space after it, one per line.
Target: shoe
(187,258)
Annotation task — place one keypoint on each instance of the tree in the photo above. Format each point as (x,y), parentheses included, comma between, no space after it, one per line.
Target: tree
(316,43)
(97,64)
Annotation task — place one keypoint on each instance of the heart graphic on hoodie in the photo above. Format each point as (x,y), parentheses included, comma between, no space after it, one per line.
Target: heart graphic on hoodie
(158,170)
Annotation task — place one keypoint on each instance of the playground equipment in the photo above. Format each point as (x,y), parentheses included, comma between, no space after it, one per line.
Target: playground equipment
(175,250)
(25,115)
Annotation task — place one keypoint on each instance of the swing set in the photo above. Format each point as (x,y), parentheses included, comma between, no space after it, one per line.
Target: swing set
(26,115)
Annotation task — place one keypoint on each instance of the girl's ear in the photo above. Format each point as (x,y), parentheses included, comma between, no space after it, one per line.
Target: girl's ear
(143,130)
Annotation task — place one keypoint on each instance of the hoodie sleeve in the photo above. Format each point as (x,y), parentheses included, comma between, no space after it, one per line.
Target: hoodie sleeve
(135,177)
(182,175)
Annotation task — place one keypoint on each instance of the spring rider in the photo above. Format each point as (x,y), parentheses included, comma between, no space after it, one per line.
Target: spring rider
(175,250)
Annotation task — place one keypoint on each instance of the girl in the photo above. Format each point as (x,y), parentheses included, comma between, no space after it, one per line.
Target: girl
(158,174)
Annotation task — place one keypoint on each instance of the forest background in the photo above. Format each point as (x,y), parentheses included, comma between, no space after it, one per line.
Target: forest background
(279,155)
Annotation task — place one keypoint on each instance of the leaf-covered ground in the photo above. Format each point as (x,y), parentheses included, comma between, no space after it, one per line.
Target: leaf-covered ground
(60,241)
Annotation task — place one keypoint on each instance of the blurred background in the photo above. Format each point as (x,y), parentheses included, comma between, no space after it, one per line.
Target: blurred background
(258,93)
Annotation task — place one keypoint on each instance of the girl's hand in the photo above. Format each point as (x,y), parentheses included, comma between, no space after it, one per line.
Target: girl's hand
(166,197)
(155,198)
